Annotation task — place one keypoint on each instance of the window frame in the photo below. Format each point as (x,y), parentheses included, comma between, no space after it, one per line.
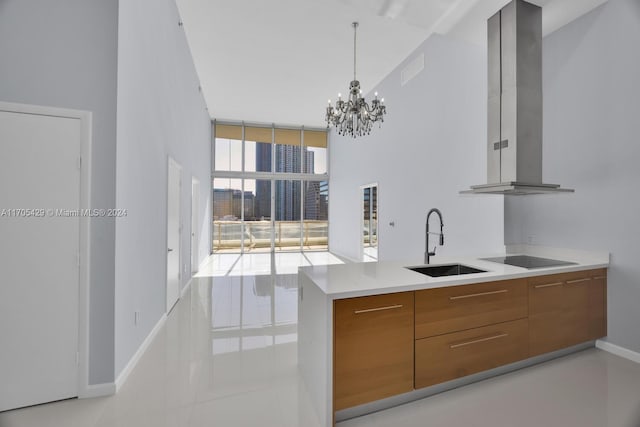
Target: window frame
(273,176)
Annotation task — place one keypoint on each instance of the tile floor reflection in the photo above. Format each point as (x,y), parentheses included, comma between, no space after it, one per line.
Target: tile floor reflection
(263,263)
(227,357)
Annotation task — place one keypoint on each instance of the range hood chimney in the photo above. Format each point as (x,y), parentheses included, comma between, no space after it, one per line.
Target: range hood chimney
(514,149)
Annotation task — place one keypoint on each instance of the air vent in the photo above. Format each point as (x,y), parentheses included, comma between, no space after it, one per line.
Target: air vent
(412,69)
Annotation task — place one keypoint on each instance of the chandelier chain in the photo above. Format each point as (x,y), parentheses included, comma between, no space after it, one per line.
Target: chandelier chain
(355,29)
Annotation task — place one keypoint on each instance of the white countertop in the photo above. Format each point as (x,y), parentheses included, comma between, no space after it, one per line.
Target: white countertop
(371,278)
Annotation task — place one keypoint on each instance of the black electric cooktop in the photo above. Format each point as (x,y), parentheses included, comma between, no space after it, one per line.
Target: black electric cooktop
(526,261)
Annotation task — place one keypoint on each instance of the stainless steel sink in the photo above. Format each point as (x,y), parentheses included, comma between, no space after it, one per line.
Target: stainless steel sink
(445,270)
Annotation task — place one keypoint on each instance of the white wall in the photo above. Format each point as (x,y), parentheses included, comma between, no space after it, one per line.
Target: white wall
(591,127)
(431,145)
(75,54)
(161,113)
(63,54)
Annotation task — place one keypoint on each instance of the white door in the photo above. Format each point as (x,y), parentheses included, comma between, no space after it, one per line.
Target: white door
(173,233)
(39,174)
(195,202)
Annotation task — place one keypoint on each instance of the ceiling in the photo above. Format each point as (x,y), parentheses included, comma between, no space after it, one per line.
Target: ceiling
(279,61)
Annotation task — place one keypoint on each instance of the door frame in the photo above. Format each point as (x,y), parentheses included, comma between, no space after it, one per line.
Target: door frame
(361,220)
(172,162)
(85,117)
(195,237)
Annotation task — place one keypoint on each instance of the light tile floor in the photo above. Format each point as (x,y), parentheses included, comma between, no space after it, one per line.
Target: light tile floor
(263,263)
(227,357)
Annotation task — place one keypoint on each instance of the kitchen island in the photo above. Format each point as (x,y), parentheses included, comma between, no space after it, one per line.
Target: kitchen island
(375,335)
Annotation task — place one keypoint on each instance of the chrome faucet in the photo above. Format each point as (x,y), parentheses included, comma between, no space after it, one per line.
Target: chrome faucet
(428,254)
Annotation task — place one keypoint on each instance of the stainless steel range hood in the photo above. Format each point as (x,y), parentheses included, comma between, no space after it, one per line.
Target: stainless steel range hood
(514,149)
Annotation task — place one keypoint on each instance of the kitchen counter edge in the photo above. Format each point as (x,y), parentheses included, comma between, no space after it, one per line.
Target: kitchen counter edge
(375,278)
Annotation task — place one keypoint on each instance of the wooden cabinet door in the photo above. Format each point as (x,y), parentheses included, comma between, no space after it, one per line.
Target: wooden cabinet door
(373,348)
(546,319)
(576,309)
(566,309)
(598,305)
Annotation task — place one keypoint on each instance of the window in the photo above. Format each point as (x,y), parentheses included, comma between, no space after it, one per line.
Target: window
(316,215)
(270,188)
(257,149)
(228,148)
(227,213)
(315,152)
(287,215)
(257,216)
(288,154)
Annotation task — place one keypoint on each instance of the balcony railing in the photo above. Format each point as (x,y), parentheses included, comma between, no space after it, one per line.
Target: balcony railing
(227,235)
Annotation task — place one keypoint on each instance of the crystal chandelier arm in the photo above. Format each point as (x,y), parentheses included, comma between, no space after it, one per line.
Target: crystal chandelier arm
(375,110)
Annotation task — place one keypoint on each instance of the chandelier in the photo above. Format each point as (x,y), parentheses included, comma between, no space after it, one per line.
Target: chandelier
(355,117)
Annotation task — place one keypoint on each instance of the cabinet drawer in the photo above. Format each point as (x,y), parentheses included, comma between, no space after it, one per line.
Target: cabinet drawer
(446,357)
(373,348)
(443,310)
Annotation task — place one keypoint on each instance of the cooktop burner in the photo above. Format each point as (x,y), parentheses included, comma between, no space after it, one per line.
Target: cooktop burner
(527,261)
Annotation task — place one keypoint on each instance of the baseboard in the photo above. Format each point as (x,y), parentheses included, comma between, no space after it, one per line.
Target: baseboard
(97,390)
(124,374)
(618,351)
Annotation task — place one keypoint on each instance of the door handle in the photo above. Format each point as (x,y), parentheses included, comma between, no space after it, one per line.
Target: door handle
(369,310)
(475,341)
(548,285)
(586,279)
(169,250)
(481,294)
